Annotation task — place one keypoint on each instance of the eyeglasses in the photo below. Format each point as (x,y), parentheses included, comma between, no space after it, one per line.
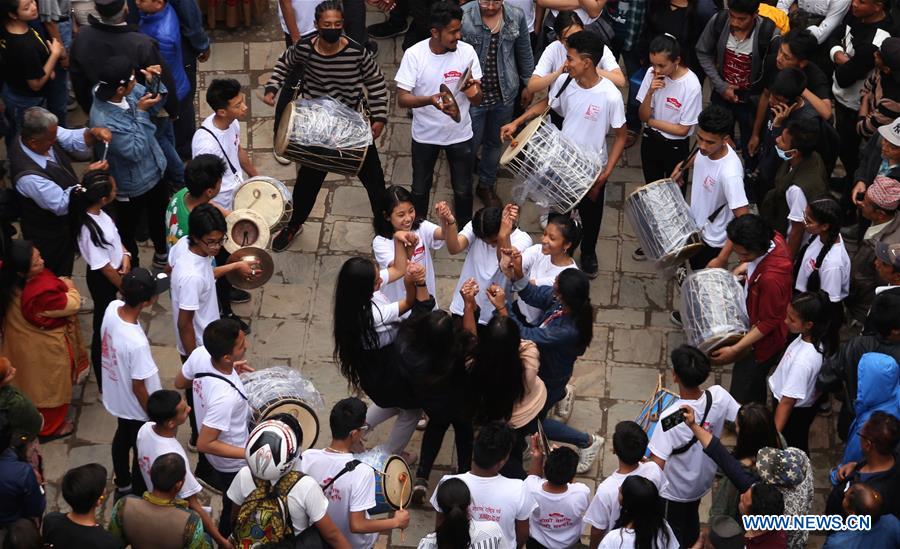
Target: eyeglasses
(215,243)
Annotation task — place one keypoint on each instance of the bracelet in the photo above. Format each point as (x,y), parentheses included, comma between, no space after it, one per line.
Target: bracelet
(127,253)
(420,285)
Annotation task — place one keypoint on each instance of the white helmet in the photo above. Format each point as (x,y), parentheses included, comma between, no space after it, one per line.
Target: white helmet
(271,450)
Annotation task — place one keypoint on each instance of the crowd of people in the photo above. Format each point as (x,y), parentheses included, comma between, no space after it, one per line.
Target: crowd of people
(791,168)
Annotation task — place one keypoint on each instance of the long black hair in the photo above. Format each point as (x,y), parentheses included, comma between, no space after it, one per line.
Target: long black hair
(824,211)
(816,307)
(390,198)
(453,499)
(95,186)
(756,429)
(642,511)
(354,328)
(498,372)
(565,19)
(438,344)
(575,292)
(15,266)
(569,228)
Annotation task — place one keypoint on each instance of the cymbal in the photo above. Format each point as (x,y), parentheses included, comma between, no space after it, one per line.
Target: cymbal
(451,108)
(265,267)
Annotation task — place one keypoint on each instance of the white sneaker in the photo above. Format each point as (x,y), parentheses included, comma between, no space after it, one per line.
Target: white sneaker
(563,408)
(586,456)
(280,159)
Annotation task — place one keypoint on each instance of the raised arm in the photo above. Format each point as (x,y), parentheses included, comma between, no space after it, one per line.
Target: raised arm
(456,243)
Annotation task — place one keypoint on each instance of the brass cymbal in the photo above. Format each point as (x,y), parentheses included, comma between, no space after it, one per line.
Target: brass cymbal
(265,267)
(451,108)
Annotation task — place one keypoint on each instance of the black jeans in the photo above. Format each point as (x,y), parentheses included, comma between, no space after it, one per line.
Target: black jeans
(223,286)
(748,378)
(459,156)
(102,293)
(309,183)
(845,120)
(591,217)
(743,113)
(433,438)
(684,518)
(128,214)
(127,471)
(514,467)
(706,254)
(666,154)
(225,524)
(796,430)
(355,21)
(185,124)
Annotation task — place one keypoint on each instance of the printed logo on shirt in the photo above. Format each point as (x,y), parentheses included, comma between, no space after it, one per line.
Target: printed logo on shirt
(487,512)
(144,464)
(452,76)
(591,113)
(197,387)
(108,357)
(812,264)
(555,521)
(673,103)
(419,254)
(333,494)
(709,183)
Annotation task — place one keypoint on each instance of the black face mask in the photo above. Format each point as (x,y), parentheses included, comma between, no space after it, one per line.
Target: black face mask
(330,35)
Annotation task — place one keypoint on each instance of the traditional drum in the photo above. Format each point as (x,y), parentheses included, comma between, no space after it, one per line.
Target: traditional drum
(393,480)
(246,228)
(268,197)
(653,408)
(282,390)
(555,172)
(713,310)
(662,221)
(323,134)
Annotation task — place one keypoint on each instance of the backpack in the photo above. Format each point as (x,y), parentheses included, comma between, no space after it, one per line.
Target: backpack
(264,519)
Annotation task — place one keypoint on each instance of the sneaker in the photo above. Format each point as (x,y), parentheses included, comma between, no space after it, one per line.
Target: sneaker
(244,326)
(488,196)
(423,423)
(160,263)
(386,29)
(589,265)
(420,491)
(680,275)
(563,408)
(638,255)
(237,295)
(675,318)
(280,159)
(586,456)
(284,238)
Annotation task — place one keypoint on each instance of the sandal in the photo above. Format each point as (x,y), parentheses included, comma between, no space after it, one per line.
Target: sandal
(67,428)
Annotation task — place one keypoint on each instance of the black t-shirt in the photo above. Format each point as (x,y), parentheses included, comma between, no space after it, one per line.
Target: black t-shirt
(816,80)
(61,533)
(23,56)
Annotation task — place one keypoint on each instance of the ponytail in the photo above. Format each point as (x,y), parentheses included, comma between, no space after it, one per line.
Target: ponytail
(95,186)
(453,499)
(817,308)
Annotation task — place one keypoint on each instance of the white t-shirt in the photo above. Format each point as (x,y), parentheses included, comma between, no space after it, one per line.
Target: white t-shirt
(623,538)
(497,499)
(219,406)
(556,521)
(482,264)
(386,318)
(583,15)
(717,182)
(304,15)
(98,257)
(384,255)
(690,474)
(193,288)
(795,376)
(354,491)
(796,201)
(834,274)
(527,6)
(605,508)
(230,139)
(125,356)
(678,102)
(150,446)
(422,72)
(483,534)
(541,271)
(306,502)
(554,57)
(588,114)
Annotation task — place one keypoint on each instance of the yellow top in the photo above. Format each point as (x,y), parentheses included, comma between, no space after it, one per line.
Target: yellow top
(777,16)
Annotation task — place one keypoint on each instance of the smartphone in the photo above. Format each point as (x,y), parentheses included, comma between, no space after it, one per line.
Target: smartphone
(545,442)
(105,150)
(672,420)
(153,86)
(860,196)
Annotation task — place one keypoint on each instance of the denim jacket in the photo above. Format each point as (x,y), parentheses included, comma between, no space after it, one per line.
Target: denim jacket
(135,158)
(515,62)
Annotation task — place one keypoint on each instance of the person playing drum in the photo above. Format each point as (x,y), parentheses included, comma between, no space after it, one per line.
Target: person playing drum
(330,64)
(590,105)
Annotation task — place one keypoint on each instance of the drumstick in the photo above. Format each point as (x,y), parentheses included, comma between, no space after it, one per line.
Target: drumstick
(405,479)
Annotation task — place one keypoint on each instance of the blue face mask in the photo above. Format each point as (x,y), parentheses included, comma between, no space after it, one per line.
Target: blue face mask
(783,154)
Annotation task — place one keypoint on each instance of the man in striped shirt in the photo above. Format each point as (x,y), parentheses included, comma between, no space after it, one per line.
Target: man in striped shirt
(329,64)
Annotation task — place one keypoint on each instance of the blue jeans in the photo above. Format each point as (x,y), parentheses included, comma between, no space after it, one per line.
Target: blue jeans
(165,136)
(459,156)
(486,123)
(16,105)
(557,430)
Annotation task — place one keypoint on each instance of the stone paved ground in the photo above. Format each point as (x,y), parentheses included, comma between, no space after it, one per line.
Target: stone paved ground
(291,316)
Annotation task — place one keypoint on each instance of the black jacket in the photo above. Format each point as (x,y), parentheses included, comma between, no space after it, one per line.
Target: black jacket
(98,42)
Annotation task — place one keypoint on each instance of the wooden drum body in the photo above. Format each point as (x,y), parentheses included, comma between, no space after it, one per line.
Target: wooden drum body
(663,223)
(713,309)
(279,390)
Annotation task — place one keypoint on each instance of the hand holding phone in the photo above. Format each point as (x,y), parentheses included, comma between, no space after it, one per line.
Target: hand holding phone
(672,420)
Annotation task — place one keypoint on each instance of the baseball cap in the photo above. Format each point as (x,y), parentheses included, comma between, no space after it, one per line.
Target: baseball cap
(889,253)
(884,192)
(140,285)
(890,54)
(783,468)
(116,71)
(891,132)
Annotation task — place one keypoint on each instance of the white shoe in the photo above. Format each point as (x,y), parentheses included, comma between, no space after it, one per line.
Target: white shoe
(544,217)
(563,408)
(280,159)
(586,456)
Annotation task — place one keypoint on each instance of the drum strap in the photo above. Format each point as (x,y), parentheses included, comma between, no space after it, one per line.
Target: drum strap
(688,444)
(558,93)
(350,466)
(221,148)
(226,380)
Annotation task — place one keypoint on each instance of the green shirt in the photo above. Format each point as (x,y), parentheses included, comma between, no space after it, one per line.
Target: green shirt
(177,213)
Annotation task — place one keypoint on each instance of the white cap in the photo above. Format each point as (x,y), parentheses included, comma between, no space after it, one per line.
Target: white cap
(891,132)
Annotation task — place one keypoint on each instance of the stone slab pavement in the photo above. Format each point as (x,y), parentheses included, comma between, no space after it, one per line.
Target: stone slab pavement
(291,316)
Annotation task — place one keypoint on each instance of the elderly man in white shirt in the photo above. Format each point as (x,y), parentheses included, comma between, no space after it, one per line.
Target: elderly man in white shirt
(43,177)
